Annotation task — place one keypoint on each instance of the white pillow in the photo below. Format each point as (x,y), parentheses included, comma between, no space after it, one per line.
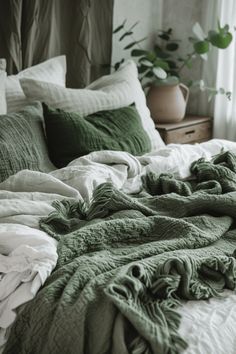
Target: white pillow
(52,70)
(3,103)
(117,90)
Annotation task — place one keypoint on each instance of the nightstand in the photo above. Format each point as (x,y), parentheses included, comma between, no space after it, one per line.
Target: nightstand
(192,129)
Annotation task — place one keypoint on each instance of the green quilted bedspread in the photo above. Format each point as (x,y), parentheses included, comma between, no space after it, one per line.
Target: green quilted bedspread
(126,261)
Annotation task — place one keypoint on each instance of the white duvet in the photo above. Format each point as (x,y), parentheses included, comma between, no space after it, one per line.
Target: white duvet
(28,255)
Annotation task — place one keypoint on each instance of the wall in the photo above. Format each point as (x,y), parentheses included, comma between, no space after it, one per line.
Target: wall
(180,15)
(148,12)
(182,18)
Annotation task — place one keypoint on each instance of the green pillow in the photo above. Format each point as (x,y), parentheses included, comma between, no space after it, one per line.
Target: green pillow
(70,135)
(22,142)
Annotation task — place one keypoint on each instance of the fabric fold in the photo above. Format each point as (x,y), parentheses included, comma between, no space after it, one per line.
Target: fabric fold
(28,258)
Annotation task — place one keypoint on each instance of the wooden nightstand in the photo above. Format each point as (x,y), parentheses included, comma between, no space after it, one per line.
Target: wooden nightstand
(192,129)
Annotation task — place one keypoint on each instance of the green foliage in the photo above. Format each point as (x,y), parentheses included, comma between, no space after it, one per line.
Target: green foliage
(163,64)
(201,47)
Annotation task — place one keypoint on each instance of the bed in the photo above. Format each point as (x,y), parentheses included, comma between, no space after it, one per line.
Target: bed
(115,243)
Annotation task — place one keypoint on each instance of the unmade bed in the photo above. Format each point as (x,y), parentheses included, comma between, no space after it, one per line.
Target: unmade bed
(118,243)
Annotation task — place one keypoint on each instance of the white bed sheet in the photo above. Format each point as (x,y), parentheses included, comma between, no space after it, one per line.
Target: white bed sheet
(209,327)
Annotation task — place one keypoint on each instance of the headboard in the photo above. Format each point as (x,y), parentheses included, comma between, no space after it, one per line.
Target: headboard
(3,64)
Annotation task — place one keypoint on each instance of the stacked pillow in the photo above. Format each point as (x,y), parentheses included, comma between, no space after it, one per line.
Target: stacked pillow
(117,90)
(110,114)
(52,70)
(70,135)
(22,138)
(22,142)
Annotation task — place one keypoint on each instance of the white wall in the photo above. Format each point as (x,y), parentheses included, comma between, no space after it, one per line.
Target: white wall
(181,15)
(149,15)
(161,14)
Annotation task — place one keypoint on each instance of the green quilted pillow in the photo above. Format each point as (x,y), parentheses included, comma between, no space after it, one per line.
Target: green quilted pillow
(22,142)
(70,135)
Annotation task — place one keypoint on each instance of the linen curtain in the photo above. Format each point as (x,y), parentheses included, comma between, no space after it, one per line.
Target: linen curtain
(32,31)
(220,71)
(225,110)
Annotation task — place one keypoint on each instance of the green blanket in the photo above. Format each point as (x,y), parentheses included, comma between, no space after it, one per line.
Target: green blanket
(126,261)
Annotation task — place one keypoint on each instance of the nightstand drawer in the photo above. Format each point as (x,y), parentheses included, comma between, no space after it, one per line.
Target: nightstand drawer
(192,133)
(192,129)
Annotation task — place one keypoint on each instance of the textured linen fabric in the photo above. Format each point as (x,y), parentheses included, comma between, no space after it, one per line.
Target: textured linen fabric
(116,90)
(126,262)
(209,326)
(52,70)
(3,104)
(33,31)
(69,135)
(22,142)
(27,258)
(28,195)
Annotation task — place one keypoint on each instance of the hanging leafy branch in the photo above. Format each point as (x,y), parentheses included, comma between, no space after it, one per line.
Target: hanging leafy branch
(163,64)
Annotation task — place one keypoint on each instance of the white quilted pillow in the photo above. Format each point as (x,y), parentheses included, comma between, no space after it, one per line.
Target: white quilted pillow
(52,70)
(117,90)
(3,104)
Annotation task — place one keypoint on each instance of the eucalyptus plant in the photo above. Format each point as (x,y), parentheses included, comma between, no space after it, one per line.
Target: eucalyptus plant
(163,65)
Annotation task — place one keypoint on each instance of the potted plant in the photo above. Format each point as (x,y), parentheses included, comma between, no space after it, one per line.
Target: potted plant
(161,68)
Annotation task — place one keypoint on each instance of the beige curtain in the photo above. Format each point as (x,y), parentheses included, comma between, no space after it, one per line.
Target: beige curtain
(32,31)
(225,110)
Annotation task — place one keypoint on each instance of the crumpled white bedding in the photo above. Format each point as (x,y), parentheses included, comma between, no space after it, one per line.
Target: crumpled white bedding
(28,255)
(27,258)
(209,326)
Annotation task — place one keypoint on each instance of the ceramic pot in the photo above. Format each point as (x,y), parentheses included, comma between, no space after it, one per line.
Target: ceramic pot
(168,103)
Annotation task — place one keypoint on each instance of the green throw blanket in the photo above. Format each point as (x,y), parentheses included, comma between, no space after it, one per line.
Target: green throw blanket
(126,261)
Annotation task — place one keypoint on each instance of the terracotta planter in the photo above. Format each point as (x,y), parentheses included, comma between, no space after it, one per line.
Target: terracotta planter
(167,103)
